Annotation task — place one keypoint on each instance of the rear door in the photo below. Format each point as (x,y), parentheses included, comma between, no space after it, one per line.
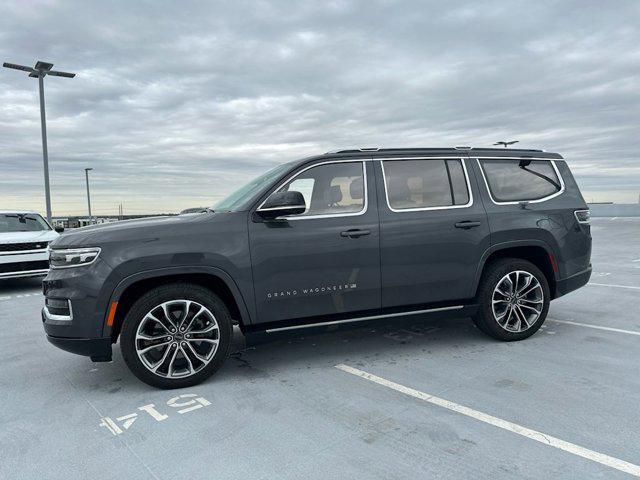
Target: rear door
(433,230)
(326,261)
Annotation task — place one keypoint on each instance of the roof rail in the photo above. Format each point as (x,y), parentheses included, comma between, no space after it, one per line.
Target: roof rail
(430,149)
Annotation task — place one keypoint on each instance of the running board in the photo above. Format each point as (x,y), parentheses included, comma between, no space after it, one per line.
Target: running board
(363,319)
(256,336)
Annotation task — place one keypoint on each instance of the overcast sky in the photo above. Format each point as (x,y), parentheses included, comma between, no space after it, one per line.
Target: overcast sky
(175,104)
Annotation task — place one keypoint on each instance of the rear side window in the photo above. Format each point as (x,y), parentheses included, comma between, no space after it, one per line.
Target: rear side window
(519,180)
(418,184)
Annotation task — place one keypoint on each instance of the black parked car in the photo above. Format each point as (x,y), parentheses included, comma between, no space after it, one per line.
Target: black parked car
(341,238)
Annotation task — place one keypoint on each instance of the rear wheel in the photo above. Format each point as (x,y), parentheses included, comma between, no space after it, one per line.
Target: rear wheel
(176,335)
(514,300)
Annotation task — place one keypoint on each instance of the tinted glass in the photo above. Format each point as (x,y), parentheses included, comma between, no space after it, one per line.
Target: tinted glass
(425,183)
(511,180)
(238,199)
(331,189)
(458,182)
(16,222)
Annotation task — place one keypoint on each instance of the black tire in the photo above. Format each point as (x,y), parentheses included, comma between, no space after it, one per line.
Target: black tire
(156,297)
(485,319)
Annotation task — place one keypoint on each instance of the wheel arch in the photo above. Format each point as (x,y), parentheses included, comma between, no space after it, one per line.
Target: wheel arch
(214,279)
(537,252)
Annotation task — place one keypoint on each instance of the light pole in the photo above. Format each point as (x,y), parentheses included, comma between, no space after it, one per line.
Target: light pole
(86,176)
(40,70)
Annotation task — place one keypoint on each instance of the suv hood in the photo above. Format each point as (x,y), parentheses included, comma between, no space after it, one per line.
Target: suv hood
(28,237)
(142,229)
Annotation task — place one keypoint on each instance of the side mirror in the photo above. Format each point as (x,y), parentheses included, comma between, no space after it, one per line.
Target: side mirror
(58,229)
(282,203)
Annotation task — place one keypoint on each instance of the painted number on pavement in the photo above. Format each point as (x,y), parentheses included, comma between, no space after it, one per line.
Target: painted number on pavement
(185,403)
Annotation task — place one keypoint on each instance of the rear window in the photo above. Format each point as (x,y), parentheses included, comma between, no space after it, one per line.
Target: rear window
(21,222)
(417,184)
(520,180)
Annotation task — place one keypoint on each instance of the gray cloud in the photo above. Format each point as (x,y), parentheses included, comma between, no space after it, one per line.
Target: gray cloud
(177,103)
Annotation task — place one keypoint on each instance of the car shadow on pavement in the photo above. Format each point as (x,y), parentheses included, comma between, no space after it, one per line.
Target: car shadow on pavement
(20,285)
(386,342)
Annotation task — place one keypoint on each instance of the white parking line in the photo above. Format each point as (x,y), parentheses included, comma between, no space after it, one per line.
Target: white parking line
(614,286)
(597,327)
(500,423)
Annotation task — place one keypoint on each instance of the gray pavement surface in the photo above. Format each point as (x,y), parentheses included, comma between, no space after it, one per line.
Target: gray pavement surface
(282,410)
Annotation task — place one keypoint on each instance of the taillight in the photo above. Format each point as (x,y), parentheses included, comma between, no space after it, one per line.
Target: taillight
(583,216)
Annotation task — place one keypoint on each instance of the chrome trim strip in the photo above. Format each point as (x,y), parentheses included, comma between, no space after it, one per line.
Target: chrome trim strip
(271,209)
(24,273)
(420,209)
(23,252)
(337,215)
(59,318)
(361,319)
(517,202)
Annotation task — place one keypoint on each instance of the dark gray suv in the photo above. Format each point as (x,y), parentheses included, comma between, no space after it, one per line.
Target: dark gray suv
(343,238)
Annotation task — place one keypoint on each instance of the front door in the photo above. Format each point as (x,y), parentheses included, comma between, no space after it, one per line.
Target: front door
(325,261)
(434,230)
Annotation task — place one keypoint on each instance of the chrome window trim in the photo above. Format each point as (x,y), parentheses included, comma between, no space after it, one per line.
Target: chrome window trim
(288,207)
(517,202)
(365,207)
(420,209)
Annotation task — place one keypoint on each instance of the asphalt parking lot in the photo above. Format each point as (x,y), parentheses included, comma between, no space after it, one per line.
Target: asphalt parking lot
(436,399)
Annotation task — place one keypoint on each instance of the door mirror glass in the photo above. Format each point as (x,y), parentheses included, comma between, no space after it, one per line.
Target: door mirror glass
(283,203)
(58,228)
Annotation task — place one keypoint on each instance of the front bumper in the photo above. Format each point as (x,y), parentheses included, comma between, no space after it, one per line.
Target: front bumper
(99,349)
(573,282)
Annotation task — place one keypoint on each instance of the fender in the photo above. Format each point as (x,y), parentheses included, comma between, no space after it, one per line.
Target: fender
(503,246)
(186,269)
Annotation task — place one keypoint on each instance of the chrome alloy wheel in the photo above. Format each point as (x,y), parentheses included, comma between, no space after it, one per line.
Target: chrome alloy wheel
(177,338)
(517,301)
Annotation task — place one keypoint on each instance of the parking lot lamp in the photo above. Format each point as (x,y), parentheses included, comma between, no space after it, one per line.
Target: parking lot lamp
(86,175)
(41,70)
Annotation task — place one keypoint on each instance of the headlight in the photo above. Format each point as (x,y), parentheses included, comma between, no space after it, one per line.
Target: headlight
(72,257)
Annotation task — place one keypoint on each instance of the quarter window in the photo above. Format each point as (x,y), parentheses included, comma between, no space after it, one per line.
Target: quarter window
(414,184)
(520,180)
(331,189)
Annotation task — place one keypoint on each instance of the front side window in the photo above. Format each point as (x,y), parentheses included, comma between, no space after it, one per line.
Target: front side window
(420,184)
(520,180)
(22,222)
(330,189)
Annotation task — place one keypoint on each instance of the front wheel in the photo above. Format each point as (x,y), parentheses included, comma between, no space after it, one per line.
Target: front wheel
(176,335)
(514,300)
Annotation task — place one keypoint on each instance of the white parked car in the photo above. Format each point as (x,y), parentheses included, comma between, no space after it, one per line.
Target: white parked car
(24,238)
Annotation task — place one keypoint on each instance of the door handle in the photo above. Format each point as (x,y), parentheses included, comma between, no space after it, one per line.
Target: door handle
(467,224)
(355,233)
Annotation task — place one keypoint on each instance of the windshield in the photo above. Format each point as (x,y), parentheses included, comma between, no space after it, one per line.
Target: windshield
(238,198)
(22,222)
